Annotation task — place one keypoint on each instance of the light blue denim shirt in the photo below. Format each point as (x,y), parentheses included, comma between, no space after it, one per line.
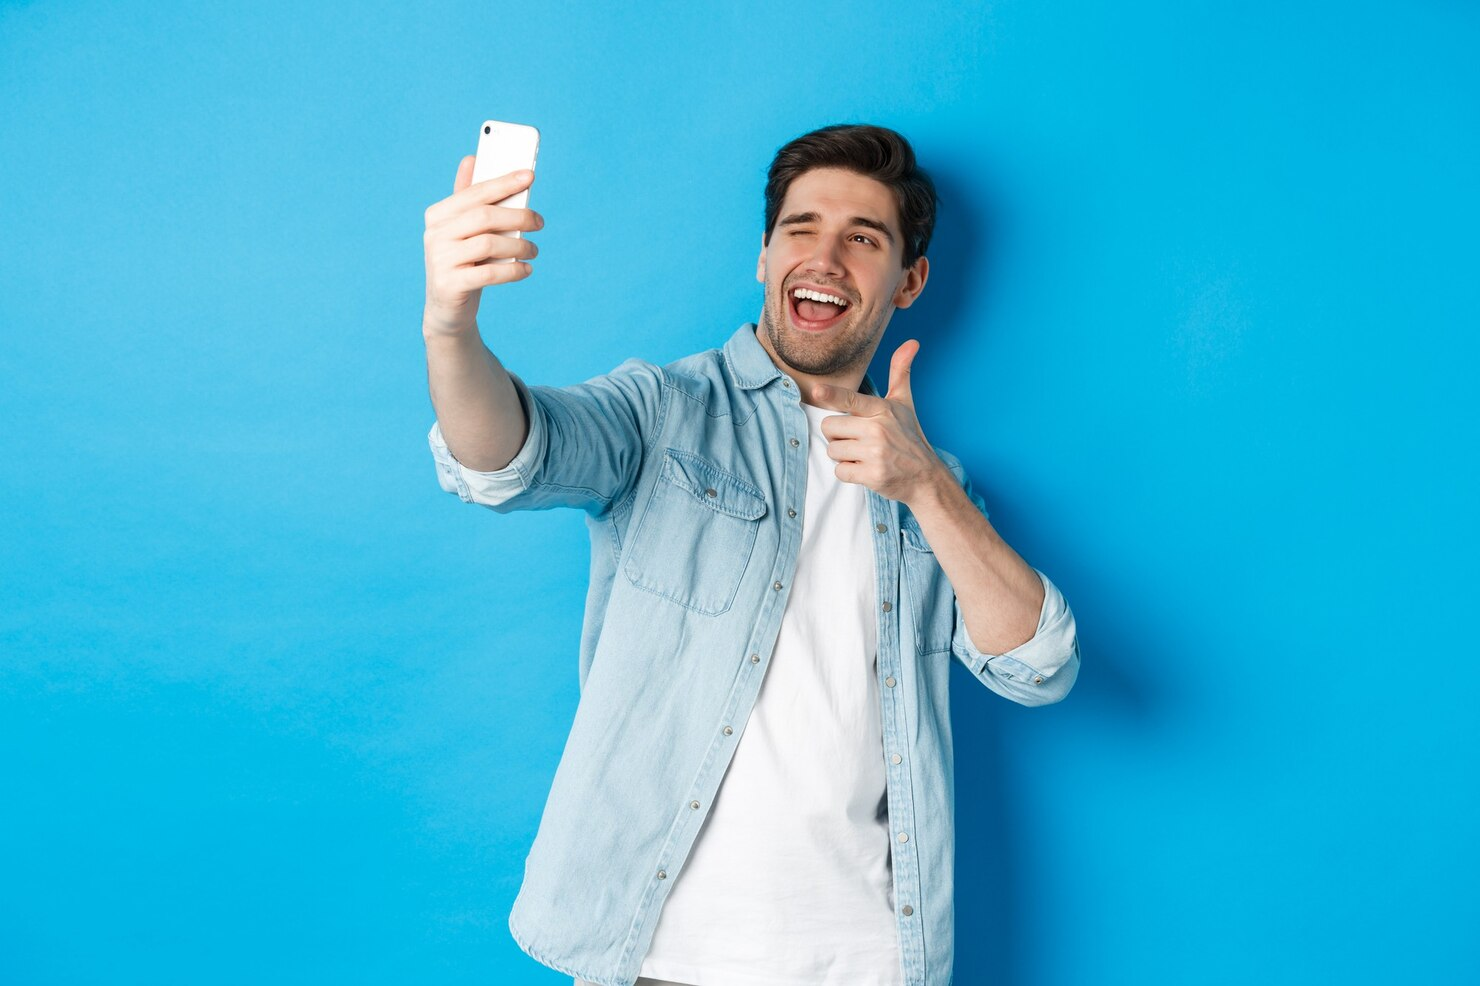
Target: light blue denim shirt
(692,477)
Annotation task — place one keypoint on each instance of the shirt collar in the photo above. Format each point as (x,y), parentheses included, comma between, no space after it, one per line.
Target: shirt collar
(752,367)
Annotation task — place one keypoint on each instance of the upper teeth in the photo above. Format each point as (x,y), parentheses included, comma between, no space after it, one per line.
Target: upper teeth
(819,296)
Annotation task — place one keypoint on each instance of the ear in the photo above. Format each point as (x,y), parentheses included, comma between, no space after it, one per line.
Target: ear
(913,283)
(760,263)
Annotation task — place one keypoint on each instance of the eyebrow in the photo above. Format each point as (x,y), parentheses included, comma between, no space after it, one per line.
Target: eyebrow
(812,217)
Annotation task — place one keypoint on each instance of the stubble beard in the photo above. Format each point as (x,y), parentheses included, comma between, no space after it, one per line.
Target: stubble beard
(822,355)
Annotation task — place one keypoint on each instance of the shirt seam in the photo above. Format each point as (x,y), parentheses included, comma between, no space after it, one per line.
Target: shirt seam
(649,443)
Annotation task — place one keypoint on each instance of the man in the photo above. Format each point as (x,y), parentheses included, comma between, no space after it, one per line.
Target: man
(782,568)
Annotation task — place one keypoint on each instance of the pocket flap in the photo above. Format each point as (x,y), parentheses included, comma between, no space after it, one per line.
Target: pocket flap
(712,486)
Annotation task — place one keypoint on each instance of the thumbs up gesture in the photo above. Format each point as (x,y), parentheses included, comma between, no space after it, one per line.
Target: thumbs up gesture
(877,441)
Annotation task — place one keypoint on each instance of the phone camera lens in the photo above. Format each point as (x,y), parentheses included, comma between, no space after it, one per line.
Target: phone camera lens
(488,130)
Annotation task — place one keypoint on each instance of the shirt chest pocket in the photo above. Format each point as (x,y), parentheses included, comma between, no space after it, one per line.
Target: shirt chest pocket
(694,539)
(932,601)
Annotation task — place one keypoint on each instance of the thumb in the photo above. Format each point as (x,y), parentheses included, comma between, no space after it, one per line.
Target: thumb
(464,174)
(899,372)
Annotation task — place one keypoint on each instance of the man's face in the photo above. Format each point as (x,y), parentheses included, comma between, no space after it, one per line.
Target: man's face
(837,235)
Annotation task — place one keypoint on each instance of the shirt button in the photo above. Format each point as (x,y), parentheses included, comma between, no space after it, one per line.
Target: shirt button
(790,512)
(889,681)
(755,659)
(1037,679)
(776,586)
(906,910)
(728,730)
(694,804)
(711,492)
(904,837)
(881,528)
(786,384)
(795,443)
(896,758)
(662,874)
(888,607)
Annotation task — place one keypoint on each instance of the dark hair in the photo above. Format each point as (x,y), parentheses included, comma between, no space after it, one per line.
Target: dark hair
(874,152)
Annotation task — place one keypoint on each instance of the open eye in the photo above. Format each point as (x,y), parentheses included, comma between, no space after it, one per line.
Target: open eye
(866,239)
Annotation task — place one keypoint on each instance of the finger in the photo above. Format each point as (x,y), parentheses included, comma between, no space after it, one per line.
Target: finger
(464,174)
(836,426)
(483,192)
(848,401)
(899,372)
(500,188)
(487,219)
(489,246)
(469,279)
(846,450)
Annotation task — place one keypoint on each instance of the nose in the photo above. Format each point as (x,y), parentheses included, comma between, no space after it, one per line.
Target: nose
(825,259)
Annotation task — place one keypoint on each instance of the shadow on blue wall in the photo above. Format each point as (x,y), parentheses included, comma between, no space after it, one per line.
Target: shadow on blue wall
(990,734)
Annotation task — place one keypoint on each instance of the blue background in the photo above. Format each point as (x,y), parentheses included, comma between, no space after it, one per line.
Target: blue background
(1201,323)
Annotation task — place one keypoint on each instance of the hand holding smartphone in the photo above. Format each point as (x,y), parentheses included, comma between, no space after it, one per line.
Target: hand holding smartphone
(504,148)
(474,236)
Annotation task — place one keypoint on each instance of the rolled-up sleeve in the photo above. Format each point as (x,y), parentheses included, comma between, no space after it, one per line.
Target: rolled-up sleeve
(1038,672)
(492,488)
(584,447)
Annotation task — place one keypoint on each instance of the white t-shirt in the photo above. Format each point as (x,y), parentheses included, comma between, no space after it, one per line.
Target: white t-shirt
(789,881)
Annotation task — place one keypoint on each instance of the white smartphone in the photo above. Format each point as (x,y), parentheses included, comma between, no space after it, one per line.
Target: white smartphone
(502,148)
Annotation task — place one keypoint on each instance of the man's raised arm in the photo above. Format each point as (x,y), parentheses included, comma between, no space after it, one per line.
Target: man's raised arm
(478,409)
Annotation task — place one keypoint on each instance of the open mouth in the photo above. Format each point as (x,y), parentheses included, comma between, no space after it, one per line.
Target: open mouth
(815,311)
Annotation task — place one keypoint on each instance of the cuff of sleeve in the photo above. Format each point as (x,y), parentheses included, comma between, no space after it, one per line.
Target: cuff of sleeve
(1053,645)
(492,488)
